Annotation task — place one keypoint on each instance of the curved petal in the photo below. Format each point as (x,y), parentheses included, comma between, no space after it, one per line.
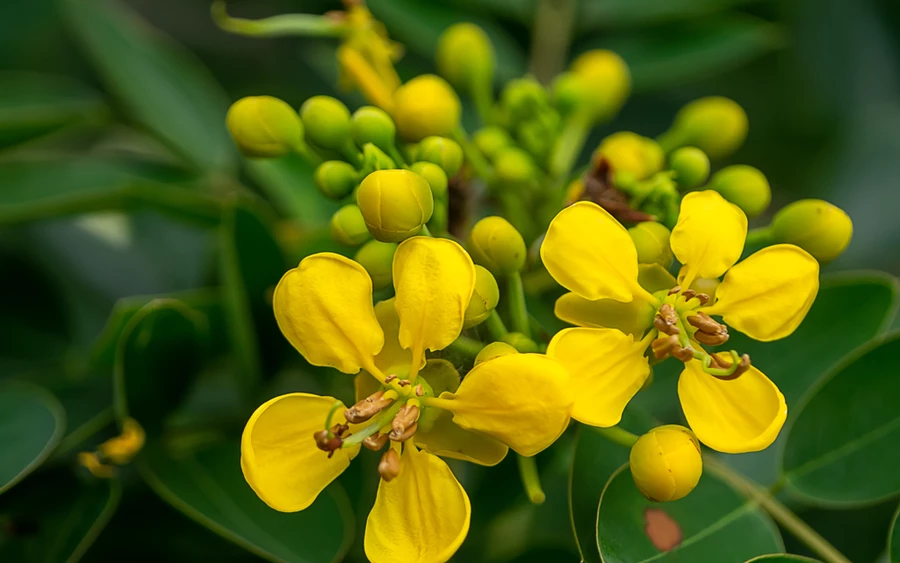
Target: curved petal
(279,456)
(590,253)
(523,400)
(709,236)
(393,357)
(607,367)
(421,516)
(364,385)
(768,295)
(324,308)
(732,416)
(631,318)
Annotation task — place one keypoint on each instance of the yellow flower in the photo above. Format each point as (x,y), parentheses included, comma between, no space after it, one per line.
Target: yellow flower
(730,405)
(295,445)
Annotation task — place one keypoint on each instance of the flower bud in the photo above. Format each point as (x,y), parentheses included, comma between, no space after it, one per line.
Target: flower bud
(376,159)
(631,154)
(395,204)
(490,140)
(377,258)
(426,106)
(327,121)
(370,124)
(495,244)
(336,178)
(484,298)
(465,56)
(442,151)
(434,175)
(264,126)
(607,79)
(348,226)
(651,239)
(570,93)
(494,350)
(818,227)
(691,167)
(715,125)
(520,342)
(523,98)
(666,463)
(514,166)
(744,186)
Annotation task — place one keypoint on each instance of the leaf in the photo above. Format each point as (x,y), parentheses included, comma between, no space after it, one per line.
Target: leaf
(781,558)
(32,423)
(288,183)
(842,447)
(612,14)
(713,524)
(894,539)
(163,86)
(209,488)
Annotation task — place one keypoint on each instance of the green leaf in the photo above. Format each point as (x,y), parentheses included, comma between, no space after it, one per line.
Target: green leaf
(288,183)
(163,86)
(716,524)
(842,447)
(209,488)
(32,423)
(781,558)
(611,14)
(894,540)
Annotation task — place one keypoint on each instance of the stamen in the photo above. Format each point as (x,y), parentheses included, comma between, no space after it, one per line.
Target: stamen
(404,421)
(367,408)
(375,442)
(724,369)
(420,390)
(327,442)
(702,298)
(709,331)
(389,466)
(390,378)
(663,346)
(683,354)
(406,435)
(666,320)
(674,290)
(689,294)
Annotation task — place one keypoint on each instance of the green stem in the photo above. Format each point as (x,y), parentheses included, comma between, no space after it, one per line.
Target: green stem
(495,327)
(552,35)
(518,310)
(568,147)
(473,156)
(311,157)
(531,480)
(385,417)
(425,232)
(618,436)
(482,93)
(761,236)
(465,346)
(538,282)
(286,24)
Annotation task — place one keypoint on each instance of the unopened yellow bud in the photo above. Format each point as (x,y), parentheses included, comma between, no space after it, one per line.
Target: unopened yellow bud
(744,186)
(715,125)
(652,242)
(818,227)
(494,350)
(607,80)
(631,154)
(434,175)
(484,298)
(263,126)
(465,56)
(520,342)
(666,463)
(327,121)
(514,166)
(370,124)
(377,258)
(490,140)
(426,106)
(495,244)
(442,151)
(348,226)
(395,204)
(335,178)
(691,167)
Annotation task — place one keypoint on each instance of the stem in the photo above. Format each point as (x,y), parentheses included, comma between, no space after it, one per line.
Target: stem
(307,154)
(495,327)
(481,166)
(518,310)
(568,147)
(465,346)
(285,24)
(482,93)
(538,282)
(425,232)
(618,436)
(384,418)
(761,236)
(552,34)
(531,480)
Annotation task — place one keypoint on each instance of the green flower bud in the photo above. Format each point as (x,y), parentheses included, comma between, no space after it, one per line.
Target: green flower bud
(715,125)
(327,121)
(523,98)
(629,153)
(426,106)
(442,151)
(376,159)
(395,204)
(570,93)
(818,227)
(490,140)
(514,166)
(434,175)
(607,79)
(484,298)
(335,178)
(264,126)
(652,242)
(348,226)
(520,342)
(743,186)
(494,350)
(373,125)
(495,244)
(465,56)
(691,167)
(666,463)
(377,258)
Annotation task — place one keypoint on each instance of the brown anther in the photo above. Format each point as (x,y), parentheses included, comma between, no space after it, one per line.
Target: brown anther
(707,324)
(367,408)
(406,417)
(662,347)
(688,294)
(326,442)
(722,363)
(420,390)
(405,435)
(664,327)
(683,354)
(666,320)
(390,378)
(674,290)
(389,466)
(339,429)
(710,339)
(404,382)
(376,442)
(702,298)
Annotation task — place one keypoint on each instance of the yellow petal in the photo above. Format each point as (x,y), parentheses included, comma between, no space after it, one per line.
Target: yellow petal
(279,456)
(732,416)
(709,236)
(523,400)
(590,253)
(607,369)
(631,318)
(434,280)
(768,295)
(324,308)
(446,439)
(393,358)
(364,385)
(421,516)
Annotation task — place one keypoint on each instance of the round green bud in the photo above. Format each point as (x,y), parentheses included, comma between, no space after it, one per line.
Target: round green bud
(522,98)
(495,244)
(666,463)
(490,140)
(327,121)
(465,56)
(744,186)
(395,204)
(520,342)
(484,298)
(348,226)
(651,240)
(426,106)
(335,178)
(513,165)
(818,227)
(631,154)
(373,125)
(494,350)
(377,258)
(263,126)
(570,93)
(442,151)
(715,125)
(376,159)
(691,167)
(434,175)
(607,79)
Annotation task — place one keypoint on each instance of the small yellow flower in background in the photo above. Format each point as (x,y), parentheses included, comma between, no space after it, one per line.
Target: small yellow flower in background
(118,450)
(296,444)
(730,405)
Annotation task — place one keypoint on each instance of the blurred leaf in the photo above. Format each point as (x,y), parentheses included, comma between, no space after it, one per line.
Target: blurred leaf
(842,446)
(858,533)
(162,85)
(894,539)
(32,423)
(781,558)
(209,488)
(612,14)
(521,11)
(288,183)
(713,524)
